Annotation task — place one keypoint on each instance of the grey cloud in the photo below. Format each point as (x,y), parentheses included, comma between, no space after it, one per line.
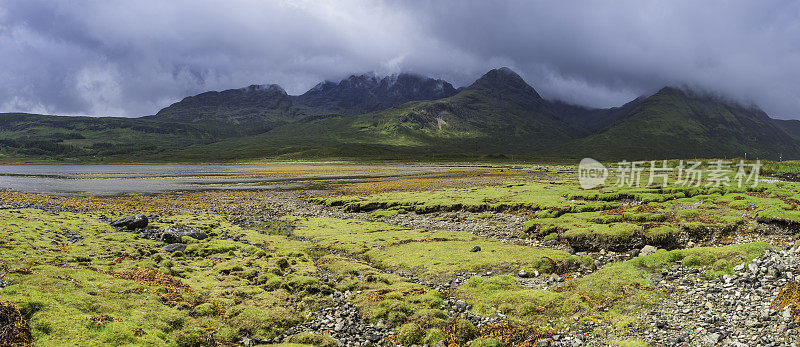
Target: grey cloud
(132,58)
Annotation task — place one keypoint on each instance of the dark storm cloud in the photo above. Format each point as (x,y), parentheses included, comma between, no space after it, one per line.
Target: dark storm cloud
(133,58)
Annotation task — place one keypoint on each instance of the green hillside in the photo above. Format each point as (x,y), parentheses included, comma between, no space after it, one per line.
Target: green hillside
(26,137)
(680,124)
(791,127)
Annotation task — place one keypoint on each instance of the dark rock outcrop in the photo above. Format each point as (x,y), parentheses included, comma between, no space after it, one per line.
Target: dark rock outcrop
(132,222)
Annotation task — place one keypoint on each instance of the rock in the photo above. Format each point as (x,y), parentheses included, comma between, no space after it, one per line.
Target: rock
(174,234)
(764,315)
(550,243)
(739,268)
(475,249)
(175,247)
(787,314)
(647,250)
(711,339)
(460,306)
(522,274)
(132,222)
(753,268)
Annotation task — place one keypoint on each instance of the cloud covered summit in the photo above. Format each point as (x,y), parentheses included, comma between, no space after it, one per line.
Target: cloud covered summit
(134,58)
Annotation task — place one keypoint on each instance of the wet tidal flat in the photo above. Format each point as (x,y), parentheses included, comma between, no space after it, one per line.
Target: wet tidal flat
(117,179)
(360,255)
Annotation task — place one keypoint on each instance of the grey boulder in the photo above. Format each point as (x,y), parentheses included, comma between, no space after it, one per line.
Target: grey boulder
(132,222)
(175,234)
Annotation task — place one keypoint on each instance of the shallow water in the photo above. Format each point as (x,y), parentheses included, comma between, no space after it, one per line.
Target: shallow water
(117,179)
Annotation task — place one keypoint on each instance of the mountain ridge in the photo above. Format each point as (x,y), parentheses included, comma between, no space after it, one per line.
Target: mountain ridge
(414,116)
(366,93)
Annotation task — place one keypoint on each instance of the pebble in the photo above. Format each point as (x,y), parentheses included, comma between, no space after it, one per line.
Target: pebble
(733,310)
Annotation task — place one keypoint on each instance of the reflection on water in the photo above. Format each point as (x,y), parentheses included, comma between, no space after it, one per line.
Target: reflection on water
(116,179)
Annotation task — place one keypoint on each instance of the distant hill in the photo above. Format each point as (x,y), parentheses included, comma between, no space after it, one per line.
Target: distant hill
(675,123)
(259,108)
(36,137)
(246,111)
(407,117)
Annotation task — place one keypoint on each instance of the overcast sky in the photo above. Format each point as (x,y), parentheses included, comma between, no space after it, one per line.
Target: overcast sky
(131,58)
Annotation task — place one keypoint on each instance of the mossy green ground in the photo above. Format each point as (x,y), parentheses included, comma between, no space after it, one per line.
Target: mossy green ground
(531,195)
(386,296)
(425,252)
(618,218)
(75,294)
(615,293)
(660,224)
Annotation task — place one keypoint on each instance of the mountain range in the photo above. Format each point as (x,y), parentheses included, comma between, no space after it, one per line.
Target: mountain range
(407,117)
